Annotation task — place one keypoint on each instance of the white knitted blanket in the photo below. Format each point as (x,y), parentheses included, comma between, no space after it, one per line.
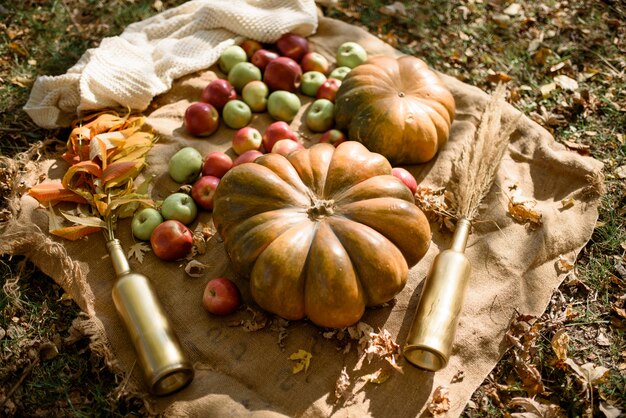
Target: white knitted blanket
(130,69)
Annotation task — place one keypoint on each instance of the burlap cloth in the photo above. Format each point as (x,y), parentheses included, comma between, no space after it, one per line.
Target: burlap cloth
(241,373)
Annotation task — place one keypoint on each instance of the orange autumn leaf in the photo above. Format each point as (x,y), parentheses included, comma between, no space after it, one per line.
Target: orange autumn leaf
(87,167)
(74,232)
(102,122)
(52,193)
(120,172)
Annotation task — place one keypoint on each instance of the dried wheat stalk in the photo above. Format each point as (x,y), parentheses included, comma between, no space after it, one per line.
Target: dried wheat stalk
(476,168)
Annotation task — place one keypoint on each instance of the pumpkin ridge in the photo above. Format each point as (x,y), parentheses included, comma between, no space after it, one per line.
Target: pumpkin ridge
(256,233)
(352,163)
(412,238)
(287,172)
(380,267)
(333,295)
(372,188)
(278,278)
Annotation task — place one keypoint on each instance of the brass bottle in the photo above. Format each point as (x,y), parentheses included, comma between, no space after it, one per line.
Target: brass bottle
(159,352)
(430,339)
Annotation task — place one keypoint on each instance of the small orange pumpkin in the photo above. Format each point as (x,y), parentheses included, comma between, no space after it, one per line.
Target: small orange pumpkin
(396,107)
(321,233)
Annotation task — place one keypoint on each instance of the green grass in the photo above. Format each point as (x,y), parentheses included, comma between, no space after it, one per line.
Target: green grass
(467,40)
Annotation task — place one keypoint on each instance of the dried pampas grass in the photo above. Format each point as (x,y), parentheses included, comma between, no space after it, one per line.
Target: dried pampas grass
(476,168)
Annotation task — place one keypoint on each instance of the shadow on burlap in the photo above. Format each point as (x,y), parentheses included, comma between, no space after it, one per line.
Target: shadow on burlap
(241,373)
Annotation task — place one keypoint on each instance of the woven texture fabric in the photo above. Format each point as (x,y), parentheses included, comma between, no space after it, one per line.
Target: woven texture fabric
(129,70)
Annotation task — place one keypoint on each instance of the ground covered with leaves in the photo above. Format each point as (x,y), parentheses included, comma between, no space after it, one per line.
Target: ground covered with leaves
(564,65)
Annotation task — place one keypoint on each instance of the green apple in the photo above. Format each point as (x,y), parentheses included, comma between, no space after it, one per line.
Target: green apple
(243,73)
(311,81)
(179,207)
(283,105)
(340,73)
(320,116)
(236,114)
(255,95)
(350,54)
(231,56)
(144,222)
(185,165)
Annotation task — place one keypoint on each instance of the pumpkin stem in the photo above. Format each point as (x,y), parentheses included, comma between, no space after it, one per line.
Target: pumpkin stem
(321,208)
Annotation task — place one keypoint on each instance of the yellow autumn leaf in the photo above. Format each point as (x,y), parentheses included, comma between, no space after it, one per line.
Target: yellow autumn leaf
(303,359)
(559,344)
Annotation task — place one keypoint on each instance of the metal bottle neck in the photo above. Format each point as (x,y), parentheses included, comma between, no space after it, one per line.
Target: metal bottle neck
(461,234)
(118,258)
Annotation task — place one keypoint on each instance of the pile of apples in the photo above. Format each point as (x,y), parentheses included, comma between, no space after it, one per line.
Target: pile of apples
(268,79)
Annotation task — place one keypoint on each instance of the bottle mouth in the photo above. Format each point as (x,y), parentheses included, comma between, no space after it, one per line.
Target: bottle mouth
(425,358)
(172,380)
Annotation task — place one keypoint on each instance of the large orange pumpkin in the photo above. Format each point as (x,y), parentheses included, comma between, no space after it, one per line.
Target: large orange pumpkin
(396,107)
(322,233)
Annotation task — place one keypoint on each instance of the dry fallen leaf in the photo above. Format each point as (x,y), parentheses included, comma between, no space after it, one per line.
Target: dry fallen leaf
(609,410)
(568,203)
(534,409)
(565,82)
(378,377)
(499,77)
(559,343)
(582,149)
(602,340)
(138,250)
(620,172)
(563,264)
(522,211)
(395,9)
(546,89)
(589,373)
(303,359)
(342,385)
(440,403)
(257,322)
(541,56)
(194,268)
(530,376)
(383,345)
(435,203)
(513,9)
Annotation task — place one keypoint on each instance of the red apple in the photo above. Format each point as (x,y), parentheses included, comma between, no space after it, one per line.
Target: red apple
(292,46)
(171,240)
(216,164)
(328,89)
(221,296)
(275,132)
(203,191)
(201,119)
(314,61)
(334,137)
(246,139)
(286,146)
(262,57)
(406,177)
(218,93)
(251,46)
(247,157)
(283,73)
